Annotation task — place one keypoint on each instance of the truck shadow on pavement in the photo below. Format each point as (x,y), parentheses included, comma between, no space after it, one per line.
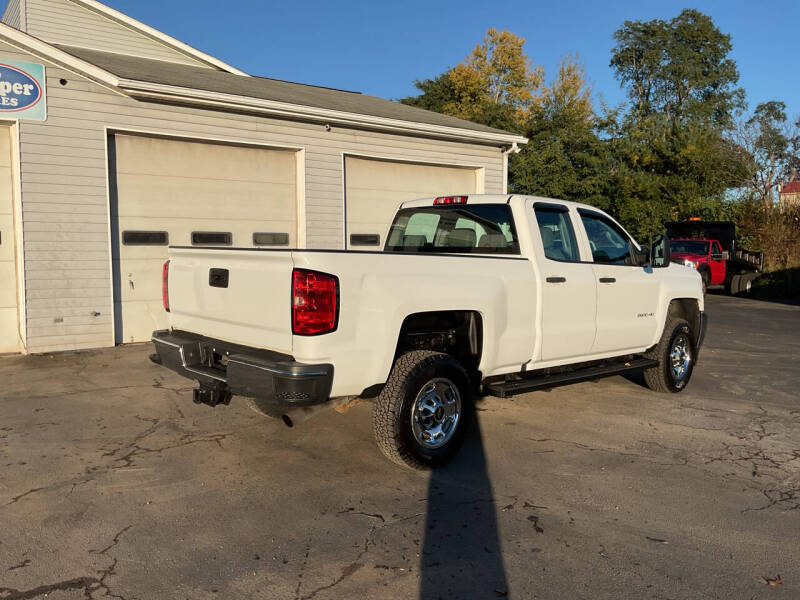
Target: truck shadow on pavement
(461,553)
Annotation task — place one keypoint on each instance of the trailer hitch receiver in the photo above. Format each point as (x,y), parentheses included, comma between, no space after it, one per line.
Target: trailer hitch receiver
(211,396)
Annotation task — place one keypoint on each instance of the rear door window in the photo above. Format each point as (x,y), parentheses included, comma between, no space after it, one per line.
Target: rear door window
(558,236)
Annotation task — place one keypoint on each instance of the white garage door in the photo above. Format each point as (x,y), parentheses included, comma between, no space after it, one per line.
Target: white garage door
(186,193)
(374,189)
(9,319)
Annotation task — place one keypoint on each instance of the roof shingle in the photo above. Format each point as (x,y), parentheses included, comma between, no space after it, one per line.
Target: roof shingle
(200,78)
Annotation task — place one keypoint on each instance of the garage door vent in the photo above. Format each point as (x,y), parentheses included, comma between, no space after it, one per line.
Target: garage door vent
(145,238)
(365,239)
(270,239)
(212,238)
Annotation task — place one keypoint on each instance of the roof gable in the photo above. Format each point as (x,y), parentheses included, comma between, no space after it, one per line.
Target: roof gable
(90,24)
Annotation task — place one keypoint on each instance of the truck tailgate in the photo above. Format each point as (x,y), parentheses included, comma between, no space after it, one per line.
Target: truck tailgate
(239,296)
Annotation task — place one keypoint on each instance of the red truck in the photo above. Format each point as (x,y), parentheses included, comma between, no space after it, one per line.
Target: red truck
(711,248)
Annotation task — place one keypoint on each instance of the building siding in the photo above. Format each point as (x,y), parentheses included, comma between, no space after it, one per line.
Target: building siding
(64,22)
(65,196)
(14,13)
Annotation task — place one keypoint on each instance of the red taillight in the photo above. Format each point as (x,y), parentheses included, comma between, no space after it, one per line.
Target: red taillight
(450,200)
(165,286)
(314,302)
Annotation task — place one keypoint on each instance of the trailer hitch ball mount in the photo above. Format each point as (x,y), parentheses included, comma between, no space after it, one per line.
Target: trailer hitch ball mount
(211,396)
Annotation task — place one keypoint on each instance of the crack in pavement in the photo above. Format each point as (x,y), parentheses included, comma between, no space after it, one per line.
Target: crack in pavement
(134,450)
(89,585)
(16,499)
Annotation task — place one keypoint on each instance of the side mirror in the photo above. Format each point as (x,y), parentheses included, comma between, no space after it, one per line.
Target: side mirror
(726,255)
(659,252)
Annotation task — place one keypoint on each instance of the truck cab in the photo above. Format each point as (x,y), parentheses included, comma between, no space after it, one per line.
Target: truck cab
(704,255)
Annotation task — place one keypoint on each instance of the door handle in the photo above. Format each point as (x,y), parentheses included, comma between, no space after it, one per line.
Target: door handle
(556,279)
(608,280)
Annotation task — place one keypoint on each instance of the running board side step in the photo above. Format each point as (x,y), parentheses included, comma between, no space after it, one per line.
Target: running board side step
(505,389)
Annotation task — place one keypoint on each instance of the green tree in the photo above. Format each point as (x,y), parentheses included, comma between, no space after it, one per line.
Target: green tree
(670,153)
(679,69)
(564,157)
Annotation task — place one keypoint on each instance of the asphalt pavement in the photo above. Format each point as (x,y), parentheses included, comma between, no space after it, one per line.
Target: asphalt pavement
(113,484)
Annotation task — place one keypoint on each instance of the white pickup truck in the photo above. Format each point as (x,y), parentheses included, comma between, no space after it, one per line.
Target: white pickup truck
(479,294)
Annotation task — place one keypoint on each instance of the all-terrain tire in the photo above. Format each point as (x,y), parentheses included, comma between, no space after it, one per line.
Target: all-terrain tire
(392,410)
(663,378)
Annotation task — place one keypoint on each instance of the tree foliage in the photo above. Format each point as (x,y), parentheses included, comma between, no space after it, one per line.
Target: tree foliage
(770,148)
(678,69)
(676,149)
(496,85)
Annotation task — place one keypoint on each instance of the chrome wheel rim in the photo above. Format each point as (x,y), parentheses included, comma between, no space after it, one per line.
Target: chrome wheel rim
(436,413)
(680,357)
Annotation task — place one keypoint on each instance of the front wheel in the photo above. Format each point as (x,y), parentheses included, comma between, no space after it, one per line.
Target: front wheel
(676,353)
(424,409)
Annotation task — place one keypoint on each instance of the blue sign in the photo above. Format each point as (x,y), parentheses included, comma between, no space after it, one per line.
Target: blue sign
(22,90)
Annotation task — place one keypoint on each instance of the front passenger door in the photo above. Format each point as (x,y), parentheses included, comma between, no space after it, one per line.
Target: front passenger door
(627,294)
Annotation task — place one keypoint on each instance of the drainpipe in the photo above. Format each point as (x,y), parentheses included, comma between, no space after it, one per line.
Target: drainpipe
(513,148)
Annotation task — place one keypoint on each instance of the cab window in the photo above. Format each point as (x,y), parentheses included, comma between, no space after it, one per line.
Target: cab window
(608,242)
(558,237)
(457,228)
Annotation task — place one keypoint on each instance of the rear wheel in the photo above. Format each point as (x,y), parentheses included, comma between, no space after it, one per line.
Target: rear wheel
(676,354)
(422,413)
(733,289)
(746,284)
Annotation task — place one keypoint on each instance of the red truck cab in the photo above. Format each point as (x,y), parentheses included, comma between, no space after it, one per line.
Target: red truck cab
(711,248)
(705,255)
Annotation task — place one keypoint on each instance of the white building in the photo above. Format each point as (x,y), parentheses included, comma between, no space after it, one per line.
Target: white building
(117,140)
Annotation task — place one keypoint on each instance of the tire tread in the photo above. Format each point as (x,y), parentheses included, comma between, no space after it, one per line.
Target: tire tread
(388,406)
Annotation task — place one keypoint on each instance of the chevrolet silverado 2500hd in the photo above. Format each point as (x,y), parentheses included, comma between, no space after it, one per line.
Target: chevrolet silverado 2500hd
(494,295)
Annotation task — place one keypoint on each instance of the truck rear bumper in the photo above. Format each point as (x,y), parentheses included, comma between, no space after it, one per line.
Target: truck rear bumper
(241,370)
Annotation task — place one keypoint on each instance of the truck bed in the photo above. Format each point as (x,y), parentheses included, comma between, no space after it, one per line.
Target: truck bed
(252,307)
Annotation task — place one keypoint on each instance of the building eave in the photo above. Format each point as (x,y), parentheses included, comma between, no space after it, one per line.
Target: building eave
(168,93)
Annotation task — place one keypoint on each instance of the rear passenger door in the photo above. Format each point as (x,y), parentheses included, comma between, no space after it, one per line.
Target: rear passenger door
(627,295)
(568,289)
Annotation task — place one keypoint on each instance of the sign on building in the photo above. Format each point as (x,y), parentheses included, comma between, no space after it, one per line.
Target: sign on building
(22,90)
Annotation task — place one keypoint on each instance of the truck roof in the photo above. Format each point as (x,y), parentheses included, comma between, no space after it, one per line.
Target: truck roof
(496,199)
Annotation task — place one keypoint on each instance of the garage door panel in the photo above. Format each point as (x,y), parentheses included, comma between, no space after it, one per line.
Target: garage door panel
(6,238)
(182,187)
(8,289)
(176,158)
(140,195)
(9,334)
(9,317)
(374,189)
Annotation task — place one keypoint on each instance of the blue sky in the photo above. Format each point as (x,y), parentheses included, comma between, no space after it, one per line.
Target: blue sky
(380,47)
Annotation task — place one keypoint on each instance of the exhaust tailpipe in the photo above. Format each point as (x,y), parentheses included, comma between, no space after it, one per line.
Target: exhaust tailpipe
(301,414)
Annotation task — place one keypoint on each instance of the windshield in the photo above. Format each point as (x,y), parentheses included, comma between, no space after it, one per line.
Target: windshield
(688,247)
(469,229)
